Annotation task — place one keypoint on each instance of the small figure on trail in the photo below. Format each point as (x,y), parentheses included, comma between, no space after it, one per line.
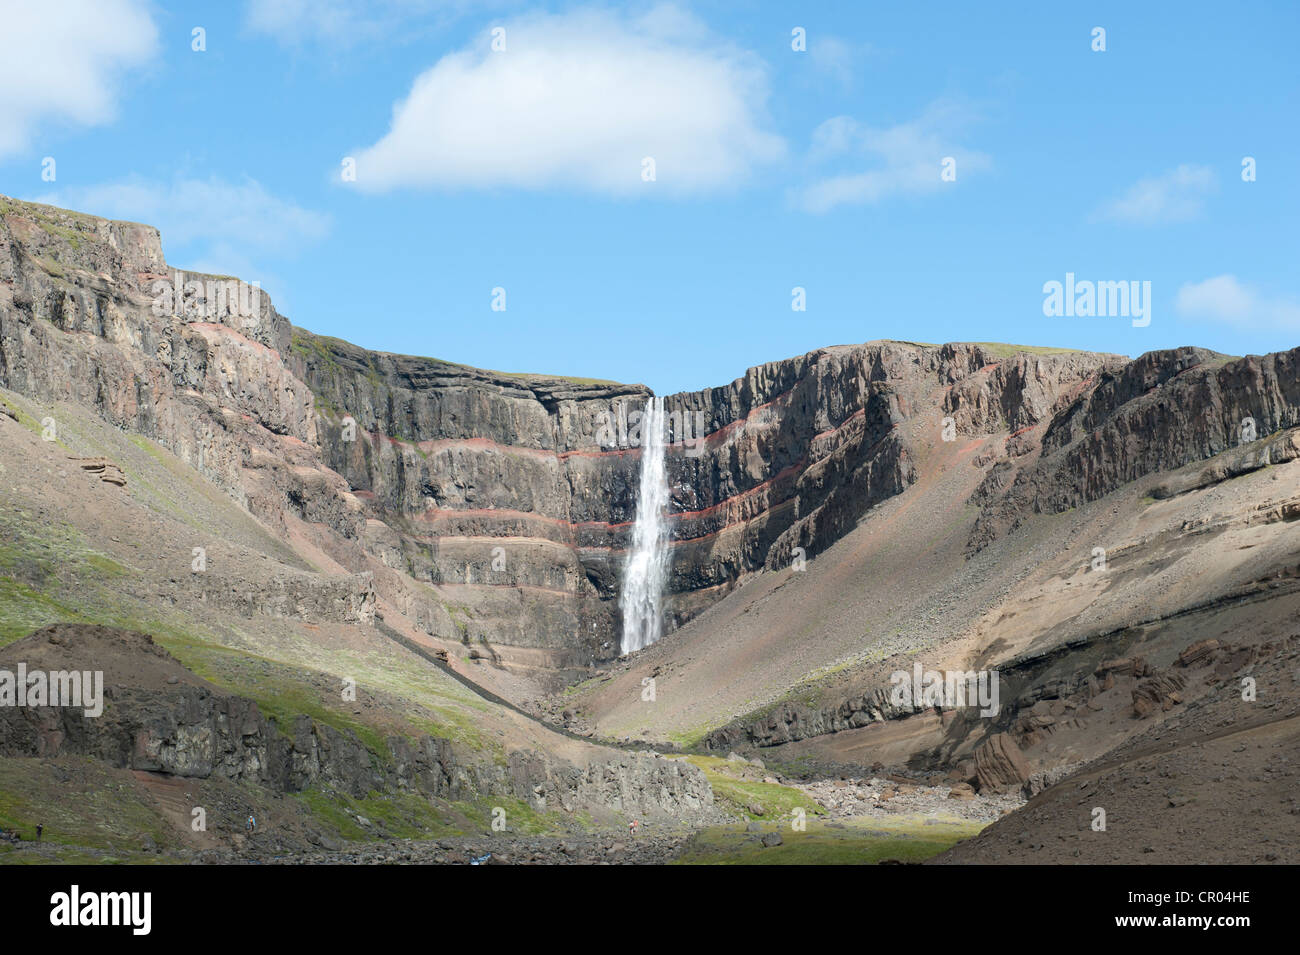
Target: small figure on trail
(631,828)
(40,827)
(251,825)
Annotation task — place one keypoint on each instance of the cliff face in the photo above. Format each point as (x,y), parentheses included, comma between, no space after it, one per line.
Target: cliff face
(1162,411)
(500,489)
(91,314)
(799,450)
(494,508)
(493,489)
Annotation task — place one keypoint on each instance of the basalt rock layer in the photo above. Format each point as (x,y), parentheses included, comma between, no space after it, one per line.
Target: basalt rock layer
(494,508)
(512,491)
(1159,412)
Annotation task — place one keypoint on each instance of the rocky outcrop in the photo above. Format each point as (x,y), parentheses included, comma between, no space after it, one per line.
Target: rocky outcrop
(1162,411)
(90,314)
(1158,692)
(999,764)
(790,721)
(309,597)
(102,468)
(159,717)
(633,784)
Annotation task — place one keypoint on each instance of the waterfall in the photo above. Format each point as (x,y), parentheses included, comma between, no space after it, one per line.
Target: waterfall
(646,570)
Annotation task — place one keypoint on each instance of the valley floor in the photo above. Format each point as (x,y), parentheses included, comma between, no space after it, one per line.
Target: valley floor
(861,840)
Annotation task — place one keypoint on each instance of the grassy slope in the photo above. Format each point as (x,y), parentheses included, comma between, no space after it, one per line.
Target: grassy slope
(852,842)
(738,792)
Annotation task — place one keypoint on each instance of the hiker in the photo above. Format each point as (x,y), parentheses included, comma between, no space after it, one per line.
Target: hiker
(40,827)
(251,825)
(631,828)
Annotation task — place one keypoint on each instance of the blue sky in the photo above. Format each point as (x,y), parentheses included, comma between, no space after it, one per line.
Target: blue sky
(522,168)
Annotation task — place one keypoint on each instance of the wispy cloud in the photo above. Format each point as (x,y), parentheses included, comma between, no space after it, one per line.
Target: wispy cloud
(1177,196)
(835,57)
(64,64)
(345,23)
(903,159)
(579,100)
(1225,300)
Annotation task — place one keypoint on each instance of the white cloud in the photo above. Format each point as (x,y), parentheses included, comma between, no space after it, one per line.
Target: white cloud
(905,159)
(579,100)
(1177,196)
(62,63)
(1224,300)
(216,226)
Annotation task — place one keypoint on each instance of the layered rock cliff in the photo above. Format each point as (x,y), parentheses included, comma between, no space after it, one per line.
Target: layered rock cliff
(1162,411)
(507,489)
(494,508)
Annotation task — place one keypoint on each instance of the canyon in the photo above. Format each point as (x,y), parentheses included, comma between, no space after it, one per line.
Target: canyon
(454,539)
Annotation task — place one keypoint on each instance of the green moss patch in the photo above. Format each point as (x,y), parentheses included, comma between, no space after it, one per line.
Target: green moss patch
(520,818)
(23,610)
(742,796)
(391,816)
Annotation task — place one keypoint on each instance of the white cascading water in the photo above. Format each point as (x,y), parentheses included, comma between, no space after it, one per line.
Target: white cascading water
(646,570)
